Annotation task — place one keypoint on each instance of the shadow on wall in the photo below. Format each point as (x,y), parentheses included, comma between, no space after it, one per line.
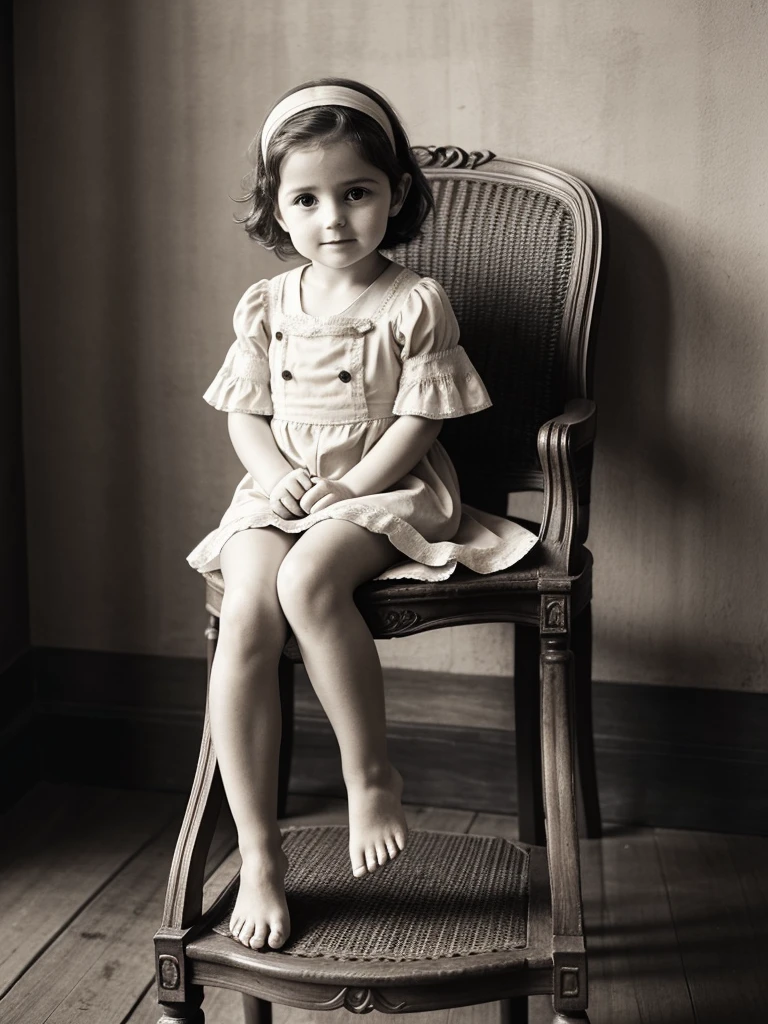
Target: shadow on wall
(684,513)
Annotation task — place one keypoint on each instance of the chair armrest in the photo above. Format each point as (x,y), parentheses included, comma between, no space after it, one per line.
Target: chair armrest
(558,439)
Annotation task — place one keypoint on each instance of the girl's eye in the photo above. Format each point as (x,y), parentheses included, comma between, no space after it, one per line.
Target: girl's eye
(305,200)
(357,194)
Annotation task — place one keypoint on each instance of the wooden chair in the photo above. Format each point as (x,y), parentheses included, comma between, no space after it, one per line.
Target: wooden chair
(466,919)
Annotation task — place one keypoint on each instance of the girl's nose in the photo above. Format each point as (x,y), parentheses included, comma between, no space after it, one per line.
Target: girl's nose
(334,215)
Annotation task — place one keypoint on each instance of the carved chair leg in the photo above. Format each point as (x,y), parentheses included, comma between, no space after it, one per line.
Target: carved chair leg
(285,674)
(581,644)
(188,1012)
(570,995)
(256,1011)
(514,1011)
(530,805)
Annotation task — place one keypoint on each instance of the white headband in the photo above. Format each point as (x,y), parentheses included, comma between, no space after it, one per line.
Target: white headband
(323,96)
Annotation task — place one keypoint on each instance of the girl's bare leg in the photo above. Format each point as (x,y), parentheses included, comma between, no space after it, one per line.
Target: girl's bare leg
(245,724)
(315,584)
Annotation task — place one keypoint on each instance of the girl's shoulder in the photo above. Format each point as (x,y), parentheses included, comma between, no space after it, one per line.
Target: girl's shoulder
(259,302)
(416,290)
(419,298)
(254,302)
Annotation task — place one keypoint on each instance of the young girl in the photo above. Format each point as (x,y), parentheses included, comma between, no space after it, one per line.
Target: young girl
(336,385)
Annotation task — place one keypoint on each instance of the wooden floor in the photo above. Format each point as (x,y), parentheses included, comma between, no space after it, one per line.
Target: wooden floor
(676,921)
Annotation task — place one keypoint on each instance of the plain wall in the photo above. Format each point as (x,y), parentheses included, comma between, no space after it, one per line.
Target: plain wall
(14,622)
(133,120)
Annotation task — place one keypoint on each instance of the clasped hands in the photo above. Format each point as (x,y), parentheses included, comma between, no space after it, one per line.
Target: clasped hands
(298,493)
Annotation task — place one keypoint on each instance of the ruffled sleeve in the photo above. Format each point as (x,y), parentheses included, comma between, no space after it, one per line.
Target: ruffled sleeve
(437,380)
(242,383)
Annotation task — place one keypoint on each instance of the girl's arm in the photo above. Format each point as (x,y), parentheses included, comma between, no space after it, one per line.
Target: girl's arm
(396,452)
(252,439)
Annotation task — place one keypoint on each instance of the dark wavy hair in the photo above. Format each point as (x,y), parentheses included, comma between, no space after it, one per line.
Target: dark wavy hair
(321,126)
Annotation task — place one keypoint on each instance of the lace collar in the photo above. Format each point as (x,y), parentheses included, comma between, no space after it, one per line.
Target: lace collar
(359,317)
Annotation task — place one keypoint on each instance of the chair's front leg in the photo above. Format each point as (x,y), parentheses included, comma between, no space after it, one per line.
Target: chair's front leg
(569,958)
(184,894)
(188,1012)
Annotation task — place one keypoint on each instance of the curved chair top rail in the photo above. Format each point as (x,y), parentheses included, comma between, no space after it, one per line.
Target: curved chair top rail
(518,248)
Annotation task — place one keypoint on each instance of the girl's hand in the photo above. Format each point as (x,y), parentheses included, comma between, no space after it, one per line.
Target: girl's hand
(284,496)
(323,493)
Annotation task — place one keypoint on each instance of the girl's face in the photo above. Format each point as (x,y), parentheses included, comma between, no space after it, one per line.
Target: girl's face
(334,204)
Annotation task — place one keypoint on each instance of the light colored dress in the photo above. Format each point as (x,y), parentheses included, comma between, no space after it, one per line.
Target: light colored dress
(332,386)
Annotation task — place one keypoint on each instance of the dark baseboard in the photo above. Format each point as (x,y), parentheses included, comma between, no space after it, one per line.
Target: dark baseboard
(667,756)
(20,761)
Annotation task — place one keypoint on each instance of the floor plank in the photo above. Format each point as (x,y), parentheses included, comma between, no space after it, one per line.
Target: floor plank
(636,973)
(503,825)
(438,819)
(68,843)
(314,810)
(717,888)
(95,971)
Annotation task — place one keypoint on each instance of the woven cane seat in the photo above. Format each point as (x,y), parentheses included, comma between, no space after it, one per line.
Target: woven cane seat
(446,895)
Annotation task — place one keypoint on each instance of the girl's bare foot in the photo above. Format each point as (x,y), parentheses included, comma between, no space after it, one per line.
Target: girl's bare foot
(377,827)
(260,916)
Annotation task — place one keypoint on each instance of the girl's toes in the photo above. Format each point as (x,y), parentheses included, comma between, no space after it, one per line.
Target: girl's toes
(258,938)
(381,854)
(392,849)
(235,924)
(400,839)
(246,932)
(357,859)
(276,938)
(370,859)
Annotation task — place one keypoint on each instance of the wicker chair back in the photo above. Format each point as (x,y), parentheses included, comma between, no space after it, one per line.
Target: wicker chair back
(510,244)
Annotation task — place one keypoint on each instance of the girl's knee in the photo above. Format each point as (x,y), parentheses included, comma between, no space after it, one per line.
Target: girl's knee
(253,621)
(307,588)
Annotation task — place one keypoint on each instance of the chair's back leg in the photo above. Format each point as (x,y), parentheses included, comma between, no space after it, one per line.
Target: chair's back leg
(514,1010)
(256,1011)
(530,801)
(585,745)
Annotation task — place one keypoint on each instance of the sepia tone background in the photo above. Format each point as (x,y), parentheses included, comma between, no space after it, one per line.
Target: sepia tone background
(132,122)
